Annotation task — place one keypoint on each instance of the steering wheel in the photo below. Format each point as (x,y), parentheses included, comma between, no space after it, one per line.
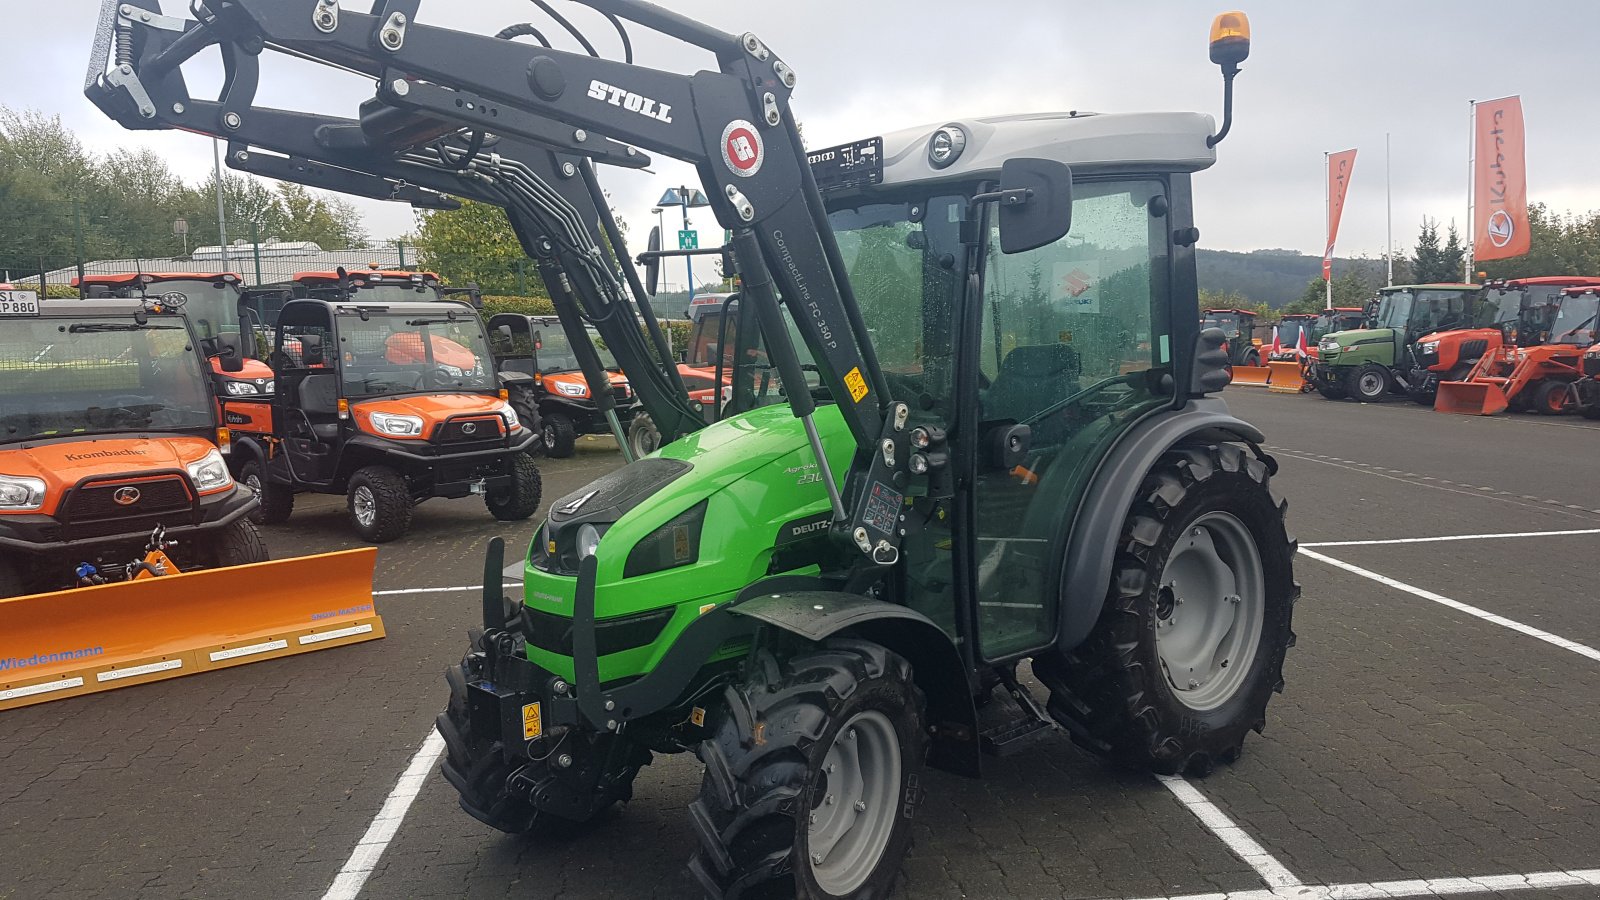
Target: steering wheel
(439,377)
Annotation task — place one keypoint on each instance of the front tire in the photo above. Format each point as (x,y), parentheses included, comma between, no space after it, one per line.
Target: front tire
(379,501)
(813,775)
(560,435)
(276,501)
(644,438)
(1369,383)
(237,545)
(521,499)
(1190,645)
(1551,398)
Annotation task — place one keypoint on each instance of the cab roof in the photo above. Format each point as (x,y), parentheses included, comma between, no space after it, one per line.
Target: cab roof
(1442,286)
(1551,281)
(1241,312)
(131,277)
(362,275)
(426,308)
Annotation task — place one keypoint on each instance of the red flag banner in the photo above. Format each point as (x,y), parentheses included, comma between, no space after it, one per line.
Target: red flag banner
(1340,165)
(1500,182)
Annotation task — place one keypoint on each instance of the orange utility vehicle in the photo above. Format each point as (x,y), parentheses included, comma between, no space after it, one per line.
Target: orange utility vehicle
(1537,366)
(1586,392)
(558,395)
(109,435)
(390,404)
(707,361)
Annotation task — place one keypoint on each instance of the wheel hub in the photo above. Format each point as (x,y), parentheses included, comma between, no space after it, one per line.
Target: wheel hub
(854,803)
(1209,610)
(366,506)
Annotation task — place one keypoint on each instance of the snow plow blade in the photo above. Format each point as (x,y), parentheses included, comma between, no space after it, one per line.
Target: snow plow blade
(1470,398)
(1255,376)
(1285,378)
(91,639)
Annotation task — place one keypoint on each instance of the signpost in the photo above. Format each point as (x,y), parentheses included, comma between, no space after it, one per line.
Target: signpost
(688,240)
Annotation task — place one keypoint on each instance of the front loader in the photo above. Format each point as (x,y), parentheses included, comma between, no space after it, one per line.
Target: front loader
(935,466)
(1539,364)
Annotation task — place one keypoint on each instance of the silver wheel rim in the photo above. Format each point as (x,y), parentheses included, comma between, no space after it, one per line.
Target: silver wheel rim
(366,506)
(856,801)
(1371,384)
(646,440)
(1210,611)
(549,432)
(252,482)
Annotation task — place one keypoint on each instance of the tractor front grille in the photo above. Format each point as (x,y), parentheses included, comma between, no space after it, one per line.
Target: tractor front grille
(553,633)
(1473,349)
(126,499)
(475,428)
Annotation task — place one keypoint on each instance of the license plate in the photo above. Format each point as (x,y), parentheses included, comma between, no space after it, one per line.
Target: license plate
(478,487)
(532,722)
(19,303)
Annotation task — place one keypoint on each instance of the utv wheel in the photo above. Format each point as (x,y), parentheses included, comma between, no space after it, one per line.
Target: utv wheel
(813,775)
(1551,398)
(644,438)
(528,415)
(1369,383)
(560,436)
(277,500)
(1190,645)
(237,545)
(521,499)
(380,504)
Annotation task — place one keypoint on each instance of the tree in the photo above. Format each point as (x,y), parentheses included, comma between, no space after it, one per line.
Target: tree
(333,223)
(476,243)
(1428,262)
(1453,257)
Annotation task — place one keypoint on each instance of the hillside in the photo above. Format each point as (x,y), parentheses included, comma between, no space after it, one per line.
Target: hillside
(1274,277)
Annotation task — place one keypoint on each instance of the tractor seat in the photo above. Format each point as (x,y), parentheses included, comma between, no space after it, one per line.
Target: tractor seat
(319,400)
(1030,379)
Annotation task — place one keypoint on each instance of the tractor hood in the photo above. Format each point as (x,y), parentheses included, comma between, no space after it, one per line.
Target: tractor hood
(432,409)
(61,465)
(1332,345)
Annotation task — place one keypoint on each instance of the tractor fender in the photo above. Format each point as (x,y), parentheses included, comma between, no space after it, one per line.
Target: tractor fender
(1089,555)
(242,450)
(936,665)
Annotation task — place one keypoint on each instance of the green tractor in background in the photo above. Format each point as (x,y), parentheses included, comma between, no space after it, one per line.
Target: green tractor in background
(1370,364)
(974,424)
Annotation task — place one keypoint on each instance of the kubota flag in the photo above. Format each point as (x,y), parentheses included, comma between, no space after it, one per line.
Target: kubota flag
(1500,181)
(1340,165)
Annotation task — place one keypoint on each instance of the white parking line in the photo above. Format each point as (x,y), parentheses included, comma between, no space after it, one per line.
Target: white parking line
(364,858)
(437,590)
(1242,845)
(1580,649)
(1454,537)
(1413,887)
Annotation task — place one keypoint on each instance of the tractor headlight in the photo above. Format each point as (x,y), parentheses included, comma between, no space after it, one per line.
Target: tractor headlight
(1329,345)
(1429,346)
(397,426)
(674,544)
(512,422)
(946,145)
(18,492)
(241,389)
(209,473)
(588,541)
(572,390)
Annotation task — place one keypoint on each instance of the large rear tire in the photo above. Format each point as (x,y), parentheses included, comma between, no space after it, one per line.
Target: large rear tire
(277,500)
(379,501)
(521,499)
(560,435)
(1190,645)
(813,776)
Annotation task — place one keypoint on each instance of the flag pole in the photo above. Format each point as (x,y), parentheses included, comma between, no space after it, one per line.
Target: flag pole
(1472,167)
(1388,207)
(1327,220)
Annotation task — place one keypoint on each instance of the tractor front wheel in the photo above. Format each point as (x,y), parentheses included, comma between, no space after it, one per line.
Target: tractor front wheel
(521,499)
(380,504)
(1369,383)
(1551,398)
(813,775)
(1190,645)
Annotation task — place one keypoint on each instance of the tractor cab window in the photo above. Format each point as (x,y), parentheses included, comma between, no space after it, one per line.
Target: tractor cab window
(395,352)
(99,375)
(1289,332)
(1575,320)
(1501,306)
(212,306)
(1394,311)
(556,353)
(1230,323)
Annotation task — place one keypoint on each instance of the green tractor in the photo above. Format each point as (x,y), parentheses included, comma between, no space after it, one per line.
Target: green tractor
(974,423)
(1371,363)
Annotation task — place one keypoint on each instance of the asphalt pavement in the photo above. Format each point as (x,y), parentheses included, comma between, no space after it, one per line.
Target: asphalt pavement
(1437,734)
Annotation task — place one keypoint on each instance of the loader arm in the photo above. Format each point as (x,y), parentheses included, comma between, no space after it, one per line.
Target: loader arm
(733,125)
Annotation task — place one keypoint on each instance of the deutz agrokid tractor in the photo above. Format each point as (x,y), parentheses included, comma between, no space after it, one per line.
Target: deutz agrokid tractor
(938,463)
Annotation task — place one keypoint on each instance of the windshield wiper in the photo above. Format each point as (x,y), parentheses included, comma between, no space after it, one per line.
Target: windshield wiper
(103,327)
(416,322)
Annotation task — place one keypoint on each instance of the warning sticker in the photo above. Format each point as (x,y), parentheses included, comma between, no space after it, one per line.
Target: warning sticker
(856,384)
(742,149)
(532,722)
(883,507)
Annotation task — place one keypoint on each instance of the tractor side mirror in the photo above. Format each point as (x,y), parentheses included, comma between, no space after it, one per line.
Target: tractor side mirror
(1035,200)
(652,264)
(1006,446)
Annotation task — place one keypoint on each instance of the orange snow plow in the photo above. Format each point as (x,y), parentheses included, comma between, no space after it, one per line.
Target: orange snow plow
(96,638)
(1286,377)
(1254,376)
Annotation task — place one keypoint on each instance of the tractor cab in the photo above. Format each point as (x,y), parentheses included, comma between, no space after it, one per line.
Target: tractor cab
(1392,354)
(367,286)
(1290,328)
(562,398)
(1239,326)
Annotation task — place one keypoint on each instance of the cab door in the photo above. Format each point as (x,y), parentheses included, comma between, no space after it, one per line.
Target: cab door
(305,410)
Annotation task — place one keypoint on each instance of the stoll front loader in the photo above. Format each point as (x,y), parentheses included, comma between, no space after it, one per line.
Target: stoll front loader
(937,483)
(1371,363)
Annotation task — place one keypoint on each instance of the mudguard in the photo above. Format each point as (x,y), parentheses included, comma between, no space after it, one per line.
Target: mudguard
(935,662)
(1089,556)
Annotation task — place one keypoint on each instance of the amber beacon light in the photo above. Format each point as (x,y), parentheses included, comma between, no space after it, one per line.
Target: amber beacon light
(1230,45)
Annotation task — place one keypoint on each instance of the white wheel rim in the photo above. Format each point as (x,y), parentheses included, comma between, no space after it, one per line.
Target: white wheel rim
(1210,611)
(366,506)
(856,801)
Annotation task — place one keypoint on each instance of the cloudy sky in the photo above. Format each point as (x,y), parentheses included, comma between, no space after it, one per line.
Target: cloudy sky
(1321,77)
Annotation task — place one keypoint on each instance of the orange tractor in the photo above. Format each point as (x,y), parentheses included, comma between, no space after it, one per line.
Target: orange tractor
(1538,363)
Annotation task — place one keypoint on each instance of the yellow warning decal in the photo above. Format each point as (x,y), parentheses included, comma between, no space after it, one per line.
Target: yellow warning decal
(697,716)
(856,384)
(532,723)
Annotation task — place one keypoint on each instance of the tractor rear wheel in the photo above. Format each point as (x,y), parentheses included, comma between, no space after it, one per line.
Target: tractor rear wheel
(521,499)
(560,435)
(812,776)
(1551,398)
(277,500)
(1190,645)
(380,504)
(1369,383)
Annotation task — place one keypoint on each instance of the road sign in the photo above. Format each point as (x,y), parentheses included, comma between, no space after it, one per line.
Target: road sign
(688,240)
